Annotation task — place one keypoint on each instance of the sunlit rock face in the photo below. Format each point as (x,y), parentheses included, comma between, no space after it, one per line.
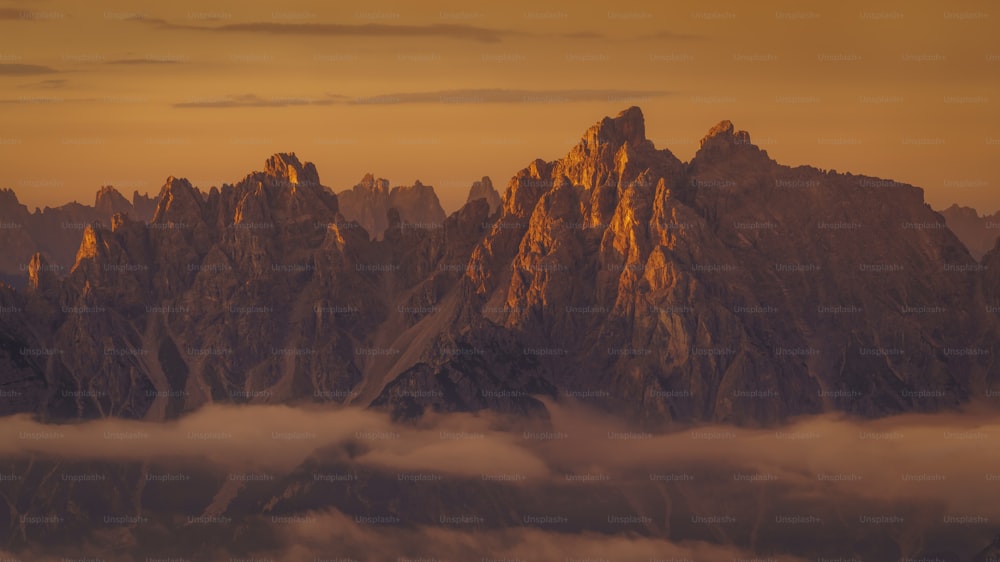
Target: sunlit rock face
(730,287)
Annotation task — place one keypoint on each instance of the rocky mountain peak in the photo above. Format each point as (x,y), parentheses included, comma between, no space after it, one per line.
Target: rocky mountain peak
(483,189)
(978,232)
(724,128)
(484,184)
(179,202)
(91,244)
(417,203)
(371,183)
(286,166)
(8,199)
(370,201)
(109,201)
(612,154)
(107,191)
(723,138)
(628,126)
(962,211)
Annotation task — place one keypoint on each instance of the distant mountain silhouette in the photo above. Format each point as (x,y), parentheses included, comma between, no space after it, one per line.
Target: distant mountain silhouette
(978,232)
(369,202)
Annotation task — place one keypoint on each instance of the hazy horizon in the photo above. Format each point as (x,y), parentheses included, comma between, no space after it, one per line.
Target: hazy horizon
(453,91)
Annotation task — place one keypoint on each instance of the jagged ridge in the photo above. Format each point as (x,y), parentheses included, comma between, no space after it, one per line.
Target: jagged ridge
(678,291)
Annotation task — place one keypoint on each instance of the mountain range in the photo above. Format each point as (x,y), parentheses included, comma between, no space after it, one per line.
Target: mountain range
(728,288)
(624,354)
(56,232)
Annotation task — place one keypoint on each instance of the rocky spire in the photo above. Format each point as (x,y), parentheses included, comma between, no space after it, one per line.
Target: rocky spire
(286,166)
(483,189)
(41,276)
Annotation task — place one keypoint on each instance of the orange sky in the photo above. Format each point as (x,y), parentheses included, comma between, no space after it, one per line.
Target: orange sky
(127,93)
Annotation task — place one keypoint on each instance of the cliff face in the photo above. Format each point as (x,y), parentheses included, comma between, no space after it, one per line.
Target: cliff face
(728,288)
(15,238)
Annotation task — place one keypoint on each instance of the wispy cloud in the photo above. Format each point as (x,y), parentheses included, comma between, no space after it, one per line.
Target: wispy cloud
(9,14)
(671,35)
(498,95)
(145,60)
(457,31)
(47,100)
(459,97)
(583,35)
(52,84)
(252,100)
(25,69)
(449,31)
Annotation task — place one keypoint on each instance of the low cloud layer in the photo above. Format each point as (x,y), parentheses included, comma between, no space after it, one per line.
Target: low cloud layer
(332,535)
(25,69)
(902,485)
